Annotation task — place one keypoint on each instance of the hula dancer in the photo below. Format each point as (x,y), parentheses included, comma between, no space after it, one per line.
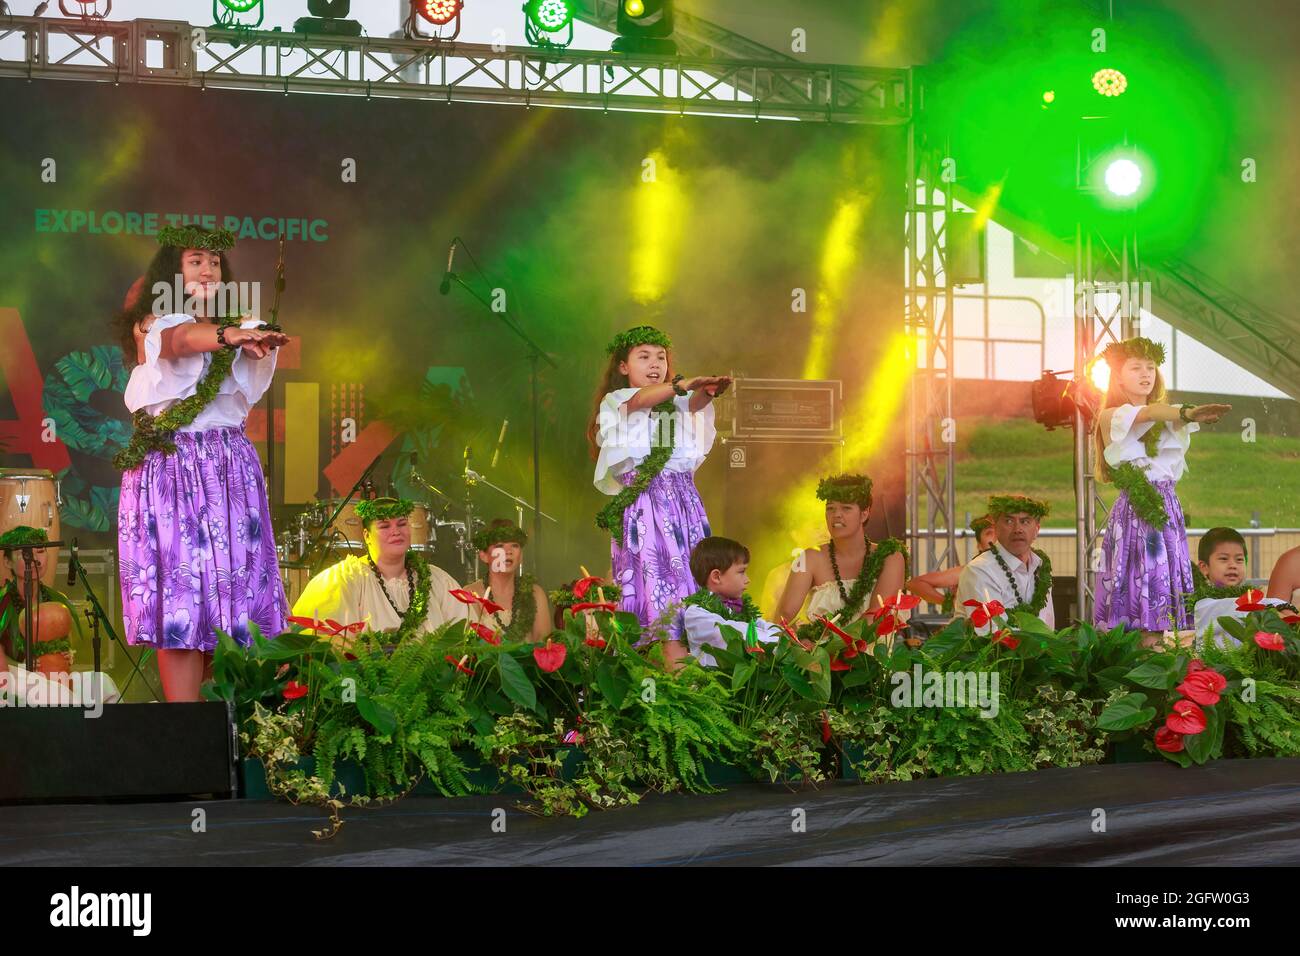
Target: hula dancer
(849,574)
(1012,572)
(194,531)
(1142,448)
(527,616)
(393,589)
(647,463)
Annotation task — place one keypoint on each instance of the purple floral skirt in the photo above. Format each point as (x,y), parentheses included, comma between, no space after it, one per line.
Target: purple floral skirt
(195,545)
(1144,572)
(652,564)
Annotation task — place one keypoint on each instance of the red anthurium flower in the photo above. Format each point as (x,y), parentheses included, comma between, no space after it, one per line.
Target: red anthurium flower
(1196,664)
(293,690)
(460,664)
(308,622)
(789,631)
(840,665)
(1269,641)
(490,606)
(889,625)
(1169,740)
(485,632)
(581,588)
(984,611)
(847,638)
(1186,718)
(1202,687)
(1292,619)
(596,642)
(550,656)
(849,652)
(593,606)
(1250,601)
(826,728)
(899,602)
(463,596)
(756,649)
(1006,639)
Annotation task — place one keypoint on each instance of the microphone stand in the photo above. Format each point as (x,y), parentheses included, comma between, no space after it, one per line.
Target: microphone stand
(535,355)
(95,614)
(339,510)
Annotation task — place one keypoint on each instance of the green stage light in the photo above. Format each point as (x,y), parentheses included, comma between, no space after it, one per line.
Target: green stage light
(549,15)
(225,13)
(645,26)
(239,6)
(1123,177)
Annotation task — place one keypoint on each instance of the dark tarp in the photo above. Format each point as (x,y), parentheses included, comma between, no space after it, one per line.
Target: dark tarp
(1232,812)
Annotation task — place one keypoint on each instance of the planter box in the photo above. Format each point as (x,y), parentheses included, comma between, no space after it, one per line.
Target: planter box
(1131,751)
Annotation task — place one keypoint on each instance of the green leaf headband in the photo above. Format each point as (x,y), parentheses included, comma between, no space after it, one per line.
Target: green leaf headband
(640,335)
(498,534)
(854,489)
(383,509)
(22,536)
(1117,353)
(1017,504)
(981,524)
(191,237)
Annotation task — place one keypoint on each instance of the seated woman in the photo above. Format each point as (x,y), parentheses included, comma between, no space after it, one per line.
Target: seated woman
(844,577)
(526,616)
(931,587)
(1284,582)
(392,588)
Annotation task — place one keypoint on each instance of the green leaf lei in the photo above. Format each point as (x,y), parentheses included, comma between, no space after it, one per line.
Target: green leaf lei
(872,565)
(1143,496)
(415,613)
(1042,582)
(610,517)
(1203,589)
(155,433)
(523,611)
(714,604)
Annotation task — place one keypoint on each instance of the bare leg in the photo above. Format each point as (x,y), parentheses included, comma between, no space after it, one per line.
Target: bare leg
(182,673)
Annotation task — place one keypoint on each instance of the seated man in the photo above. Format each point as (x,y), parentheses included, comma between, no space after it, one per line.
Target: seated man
(53,621)
(1012,572)
(1221,579)
(391,587)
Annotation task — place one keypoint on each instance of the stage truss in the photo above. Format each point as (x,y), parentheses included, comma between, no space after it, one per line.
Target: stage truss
(172,52)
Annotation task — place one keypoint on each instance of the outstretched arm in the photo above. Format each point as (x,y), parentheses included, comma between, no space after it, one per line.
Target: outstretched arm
(927,586)
(797,586)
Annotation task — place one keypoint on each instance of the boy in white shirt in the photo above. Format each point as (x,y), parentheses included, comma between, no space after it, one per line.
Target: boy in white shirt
(719,567)
(1221,560)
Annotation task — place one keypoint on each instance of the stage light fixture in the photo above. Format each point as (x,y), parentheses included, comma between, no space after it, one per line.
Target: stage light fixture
(1109,82)
(89,9)
(328,18)
(225,13)
(437,12)
(544,17)
(1123,177)
(645,26)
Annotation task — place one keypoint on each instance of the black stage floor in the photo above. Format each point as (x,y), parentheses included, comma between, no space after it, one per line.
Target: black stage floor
(1231,812)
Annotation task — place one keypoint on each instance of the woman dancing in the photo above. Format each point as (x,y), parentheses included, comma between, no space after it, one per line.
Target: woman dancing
(196,550)
(1142,448)
(655,517)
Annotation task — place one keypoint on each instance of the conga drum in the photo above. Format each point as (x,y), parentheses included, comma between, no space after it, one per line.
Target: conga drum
(28,496)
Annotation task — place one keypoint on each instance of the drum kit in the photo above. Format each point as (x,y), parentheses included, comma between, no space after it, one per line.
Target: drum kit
(443,527)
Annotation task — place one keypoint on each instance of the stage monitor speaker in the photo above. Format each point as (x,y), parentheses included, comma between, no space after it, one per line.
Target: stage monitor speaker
(129,752)
(777,408)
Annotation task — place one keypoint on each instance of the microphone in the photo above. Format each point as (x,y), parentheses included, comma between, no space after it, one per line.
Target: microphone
(72,565)
(445,285)
(500,439)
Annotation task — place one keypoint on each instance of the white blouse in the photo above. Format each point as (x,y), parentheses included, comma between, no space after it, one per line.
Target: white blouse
(1171,451)
(158,383)
(349,592)
(624,438)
